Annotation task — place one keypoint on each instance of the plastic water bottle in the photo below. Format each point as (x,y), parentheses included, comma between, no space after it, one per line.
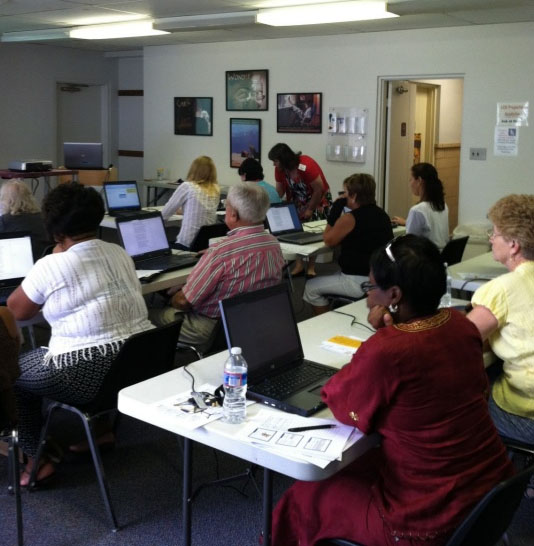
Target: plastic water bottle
(235,387)
(446,299)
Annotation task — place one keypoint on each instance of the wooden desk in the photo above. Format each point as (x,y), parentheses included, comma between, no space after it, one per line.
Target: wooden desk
(92,177)
(36,176)
(139,401)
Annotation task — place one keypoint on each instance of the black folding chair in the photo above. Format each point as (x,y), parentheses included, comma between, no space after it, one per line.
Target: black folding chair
(489,519)
(205,233)
(142,356)
(454,251)
(9,434)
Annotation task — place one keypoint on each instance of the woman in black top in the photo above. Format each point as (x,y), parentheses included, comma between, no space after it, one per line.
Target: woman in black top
(362,229)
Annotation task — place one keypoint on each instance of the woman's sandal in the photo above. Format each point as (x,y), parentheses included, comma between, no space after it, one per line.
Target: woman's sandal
(45,475)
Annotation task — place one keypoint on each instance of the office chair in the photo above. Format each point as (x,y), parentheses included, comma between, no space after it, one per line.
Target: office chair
(9,434)
(454,250)
(205,233)
(489,519)
(142,356)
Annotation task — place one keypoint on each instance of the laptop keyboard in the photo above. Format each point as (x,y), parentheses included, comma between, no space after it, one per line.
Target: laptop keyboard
(165,262)
(292,381)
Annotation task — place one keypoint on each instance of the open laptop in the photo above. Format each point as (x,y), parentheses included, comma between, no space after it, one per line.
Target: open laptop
(16,259)
(122,198)
(263,324)
(144,239)
(283,222)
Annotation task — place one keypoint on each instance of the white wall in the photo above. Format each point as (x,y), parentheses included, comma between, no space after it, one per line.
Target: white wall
(28,110)
(494,60)
(130,112)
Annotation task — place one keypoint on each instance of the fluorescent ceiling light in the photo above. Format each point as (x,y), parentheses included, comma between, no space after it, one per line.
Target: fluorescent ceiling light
(116,30)
(206,21)
(316,14)
(34,35)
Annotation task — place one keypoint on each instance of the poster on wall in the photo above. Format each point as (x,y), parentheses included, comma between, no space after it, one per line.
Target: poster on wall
(298,112)
(247,90)
(512,113)
(245,140)
(193,116)
(505,141)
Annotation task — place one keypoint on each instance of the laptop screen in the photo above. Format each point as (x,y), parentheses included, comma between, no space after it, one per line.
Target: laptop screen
(122,196)
(283,219)
(83,155)
(143,234)
(16,257)
(262,323)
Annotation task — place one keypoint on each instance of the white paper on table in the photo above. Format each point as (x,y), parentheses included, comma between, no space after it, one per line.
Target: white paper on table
(176,407)
(270,430)
(331,345)
(147,272)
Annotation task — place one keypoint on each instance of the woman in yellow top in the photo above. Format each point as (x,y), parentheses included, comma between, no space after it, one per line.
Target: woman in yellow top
(503,311)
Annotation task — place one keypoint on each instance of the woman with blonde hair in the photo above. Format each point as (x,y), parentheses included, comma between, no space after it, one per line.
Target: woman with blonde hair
(502,312)
(197,199)
(20,212)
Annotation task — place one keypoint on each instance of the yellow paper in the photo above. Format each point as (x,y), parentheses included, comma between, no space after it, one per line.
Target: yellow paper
(346,341)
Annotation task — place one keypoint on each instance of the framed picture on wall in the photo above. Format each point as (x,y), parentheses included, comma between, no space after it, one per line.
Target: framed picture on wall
(247,90)
(193,116)
(245,140)
(299,112)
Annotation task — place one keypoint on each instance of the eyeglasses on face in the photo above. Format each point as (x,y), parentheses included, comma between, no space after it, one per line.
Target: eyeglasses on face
(492,235)
(367,286)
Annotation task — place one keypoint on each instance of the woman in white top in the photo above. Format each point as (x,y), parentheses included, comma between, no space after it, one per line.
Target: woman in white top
(430,217)
(89,293)
(197,199)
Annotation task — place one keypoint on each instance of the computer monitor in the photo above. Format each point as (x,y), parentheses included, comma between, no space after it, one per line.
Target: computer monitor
(83,155)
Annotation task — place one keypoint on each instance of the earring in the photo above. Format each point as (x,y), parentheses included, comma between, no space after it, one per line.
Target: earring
(393,307)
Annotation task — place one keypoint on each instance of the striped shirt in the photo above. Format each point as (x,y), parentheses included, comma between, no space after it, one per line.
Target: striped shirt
(198,207)
(247,259)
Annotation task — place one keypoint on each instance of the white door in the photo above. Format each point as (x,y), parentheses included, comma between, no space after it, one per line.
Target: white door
(399,146)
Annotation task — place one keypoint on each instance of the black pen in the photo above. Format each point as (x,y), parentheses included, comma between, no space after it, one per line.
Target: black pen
(304,429)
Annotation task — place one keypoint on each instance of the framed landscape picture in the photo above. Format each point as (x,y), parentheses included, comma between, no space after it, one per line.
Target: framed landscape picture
(193,116)
(247,90)
(299,112)
(245,140)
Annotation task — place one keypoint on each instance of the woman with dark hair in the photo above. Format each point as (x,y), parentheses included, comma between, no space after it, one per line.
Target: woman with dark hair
(251,170)
(430,217)
(302,181)
(359,232)
(439,453)
(90,295)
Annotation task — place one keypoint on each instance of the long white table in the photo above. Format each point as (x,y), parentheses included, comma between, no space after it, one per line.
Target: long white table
(473,273)
(138,401)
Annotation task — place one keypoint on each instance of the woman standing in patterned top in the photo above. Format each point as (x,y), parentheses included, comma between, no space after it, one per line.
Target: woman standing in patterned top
(197,199)
(300,179)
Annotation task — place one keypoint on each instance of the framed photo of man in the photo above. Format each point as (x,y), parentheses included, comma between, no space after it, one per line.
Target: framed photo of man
(193,116)
(299,112)
(245,140)
(247,90)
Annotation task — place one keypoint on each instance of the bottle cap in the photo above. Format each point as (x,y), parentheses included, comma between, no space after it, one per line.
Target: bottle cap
(235,351)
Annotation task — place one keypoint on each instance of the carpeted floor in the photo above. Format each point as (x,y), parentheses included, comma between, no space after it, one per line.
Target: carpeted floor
(144,472)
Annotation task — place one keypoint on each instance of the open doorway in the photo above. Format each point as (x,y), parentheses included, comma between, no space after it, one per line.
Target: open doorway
(419,120)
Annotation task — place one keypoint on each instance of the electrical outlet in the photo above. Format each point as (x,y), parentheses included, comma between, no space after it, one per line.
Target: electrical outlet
(477,153)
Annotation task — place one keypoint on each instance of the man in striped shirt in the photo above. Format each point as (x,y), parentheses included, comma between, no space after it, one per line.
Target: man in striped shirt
(247,259)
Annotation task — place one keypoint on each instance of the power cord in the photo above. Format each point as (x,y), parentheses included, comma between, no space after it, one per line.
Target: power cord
(354,320)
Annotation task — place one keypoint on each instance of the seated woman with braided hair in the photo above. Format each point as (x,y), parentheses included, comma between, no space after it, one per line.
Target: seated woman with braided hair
(419,382)
(90,295)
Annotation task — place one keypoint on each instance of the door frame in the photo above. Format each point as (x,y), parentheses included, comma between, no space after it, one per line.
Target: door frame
(382,109)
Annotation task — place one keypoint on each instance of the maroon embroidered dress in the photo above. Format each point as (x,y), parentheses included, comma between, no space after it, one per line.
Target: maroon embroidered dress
(423,387)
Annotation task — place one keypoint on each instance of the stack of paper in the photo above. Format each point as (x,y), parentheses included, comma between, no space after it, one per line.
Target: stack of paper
(342,344)
(319,446)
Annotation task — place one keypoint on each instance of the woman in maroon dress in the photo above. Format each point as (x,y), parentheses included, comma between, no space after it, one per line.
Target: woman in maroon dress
(419,382)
